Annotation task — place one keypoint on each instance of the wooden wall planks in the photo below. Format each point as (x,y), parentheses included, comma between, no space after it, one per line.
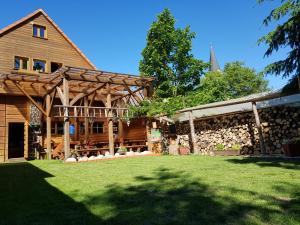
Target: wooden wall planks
(12,109)
(20,42)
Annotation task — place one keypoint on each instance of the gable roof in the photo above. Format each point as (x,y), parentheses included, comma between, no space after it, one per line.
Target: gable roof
(24,19)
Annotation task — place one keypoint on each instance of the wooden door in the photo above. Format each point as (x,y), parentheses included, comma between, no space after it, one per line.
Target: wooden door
(15,140)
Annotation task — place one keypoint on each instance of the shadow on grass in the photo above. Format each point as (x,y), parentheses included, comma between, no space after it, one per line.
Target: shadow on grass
(27,198)
(163,197)
(174,197)
(287,163)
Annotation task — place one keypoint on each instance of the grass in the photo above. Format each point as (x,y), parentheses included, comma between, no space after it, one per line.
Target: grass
(152,190)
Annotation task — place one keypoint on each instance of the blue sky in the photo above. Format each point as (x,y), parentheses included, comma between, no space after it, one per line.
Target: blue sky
(113,33)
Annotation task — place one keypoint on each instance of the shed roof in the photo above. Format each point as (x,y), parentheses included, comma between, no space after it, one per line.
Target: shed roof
(234,106)
(248,98)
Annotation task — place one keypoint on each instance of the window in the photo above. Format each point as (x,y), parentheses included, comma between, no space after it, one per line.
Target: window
(81,128)
(55,66)
(53,128)
(60,128)
(98,128)
(39,65)
(21,63)
(39,31)
(115,127)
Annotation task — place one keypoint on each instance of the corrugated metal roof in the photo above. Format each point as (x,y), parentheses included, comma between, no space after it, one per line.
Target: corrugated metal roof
(263,100)
(249,98)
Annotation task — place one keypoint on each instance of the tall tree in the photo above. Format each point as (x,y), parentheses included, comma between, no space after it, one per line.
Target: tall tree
(168,58)
(235,81)
(285,34)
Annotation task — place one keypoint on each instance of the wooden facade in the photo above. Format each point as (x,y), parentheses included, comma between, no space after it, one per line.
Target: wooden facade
(64,78)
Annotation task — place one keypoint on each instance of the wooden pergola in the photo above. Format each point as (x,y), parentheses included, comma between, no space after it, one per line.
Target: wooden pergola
(74,85)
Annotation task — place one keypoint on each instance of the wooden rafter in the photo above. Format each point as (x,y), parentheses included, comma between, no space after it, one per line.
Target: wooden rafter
(30,98)
(87,93)
(81,82)
(131,92)
(54,87)
(51,103)
(119,97)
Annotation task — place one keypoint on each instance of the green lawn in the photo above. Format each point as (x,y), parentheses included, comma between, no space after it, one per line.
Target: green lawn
(152,190)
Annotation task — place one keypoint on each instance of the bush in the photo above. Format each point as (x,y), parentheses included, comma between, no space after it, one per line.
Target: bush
(220,147)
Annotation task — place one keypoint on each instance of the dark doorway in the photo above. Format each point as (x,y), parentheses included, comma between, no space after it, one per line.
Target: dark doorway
(55,66)
(15,140)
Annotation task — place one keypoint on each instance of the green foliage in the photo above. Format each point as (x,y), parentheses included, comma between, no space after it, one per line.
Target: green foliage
(236,81)
(236,147)
(122,149)
(285,34)
(220,147)
(242,81)
(167,57)
(291,87)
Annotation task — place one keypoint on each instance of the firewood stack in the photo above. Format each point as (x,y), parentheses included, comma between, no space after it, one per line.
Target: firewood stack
(278,124)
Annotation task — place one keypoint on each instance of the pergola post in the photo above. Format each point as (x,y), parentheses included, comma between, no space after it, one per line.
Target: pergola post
(192,133)
(121,132)
(110,123)
(148,133)
(48,126)
(86,119)
(76,127)
(258,125)
(66,118)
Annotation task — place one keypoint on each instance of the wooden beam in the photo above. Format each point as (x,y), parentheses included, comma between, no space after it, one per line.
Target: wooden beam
(132,93)
(48,126)
(30,98)
(86,119)
(51,104)
(60,95)
(110,124)
(120,97)
(121,132)
(87,93)
(148,133)
(66,119)
(54,87)
(258,125)
(192,133)
(93,98)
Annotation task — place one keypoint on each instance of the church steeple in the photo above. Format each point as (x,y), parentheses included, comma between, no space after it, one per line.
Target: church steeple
(214,65)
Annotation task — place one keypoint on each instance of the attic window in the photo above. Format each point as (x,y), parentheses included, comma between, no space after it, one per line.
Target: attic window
(21,63)
(39,31)
(39,65)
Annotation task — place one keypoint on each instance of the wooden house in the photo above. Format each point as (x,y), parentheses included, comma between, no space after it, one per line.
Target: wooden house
(52,95)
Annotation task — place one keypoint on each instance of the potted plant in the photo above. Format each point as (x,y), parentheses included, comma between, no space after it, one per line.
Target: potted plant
(219,149)
(222,151)
(183,150)
(236,149)
(122,150)
(291,147)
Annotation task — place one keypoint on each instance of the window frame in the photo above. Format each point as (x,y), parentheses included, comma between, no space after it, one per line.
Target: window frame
(59,129)
(96,128)
(41,60)
(38,29)
(50,65)
(21,61)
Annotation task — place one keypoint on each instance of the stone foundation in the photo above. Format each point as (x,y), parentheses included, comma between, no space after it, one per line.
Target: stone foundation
(278,124)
